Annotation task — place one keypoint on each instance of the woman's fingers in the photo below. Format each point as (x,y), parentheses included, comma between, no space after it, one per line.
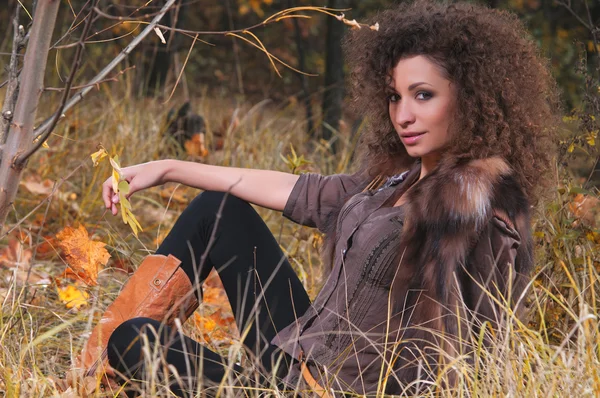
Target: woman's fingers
(109,196)
(107,193)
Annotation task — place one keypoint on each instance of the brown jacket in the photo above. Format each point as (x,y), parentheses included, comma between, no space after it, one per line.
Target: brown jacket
(401,274)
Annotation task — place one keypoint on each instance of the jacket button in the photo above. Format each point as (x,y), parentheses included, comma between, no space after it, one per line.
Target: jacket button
(157,282)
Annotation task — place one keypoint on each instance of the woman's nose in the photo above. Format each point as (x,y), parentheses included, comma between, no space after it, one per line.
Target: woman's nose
(404,114)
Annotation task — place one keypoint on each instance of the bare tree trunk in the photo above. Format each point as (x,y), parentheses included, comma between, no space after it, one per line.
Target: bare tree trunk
(334,75)
(20,136)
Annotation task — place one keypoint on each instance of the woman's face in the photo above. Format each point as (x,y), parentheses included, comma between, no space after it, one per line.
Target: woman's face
(421,104)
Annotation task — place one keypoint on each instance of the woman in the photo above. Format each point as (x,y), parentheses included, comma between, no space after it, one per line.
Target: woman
(461,111)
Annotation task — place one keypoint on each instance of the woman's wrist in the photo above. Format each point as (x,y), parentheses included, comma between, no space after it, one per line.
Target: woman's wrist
(170,171)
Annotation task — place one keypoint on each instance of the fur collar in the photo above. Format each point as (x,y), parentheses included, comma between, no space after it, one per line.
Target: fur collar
(445,214)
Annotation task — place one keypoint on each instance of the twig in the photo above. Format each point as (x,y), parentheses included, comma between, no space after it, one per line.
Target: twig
(274,18)
(592,28)
(10,99)
(587,181)
(182,69)
(104,72)
(108,79)
(74,68)
(568,7)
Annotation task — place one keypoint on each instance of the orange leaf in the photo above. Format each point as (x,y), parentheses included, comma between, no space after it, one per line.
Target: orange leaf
(179,196)
(585,208)
(84,256)
(195,146)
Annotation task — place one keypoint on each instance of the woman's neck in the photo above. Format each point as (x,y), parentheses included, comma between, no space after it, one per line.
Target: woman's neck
(428,163)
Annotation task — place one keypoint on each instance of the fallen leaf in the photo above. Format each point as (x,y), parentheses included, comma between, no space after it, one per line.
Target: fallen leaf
(15,255)
(35,186)
(123,264)
(215,322)
(72,296)
(17,259)
(195,146)
(585,208)
(177,196)
(84,256)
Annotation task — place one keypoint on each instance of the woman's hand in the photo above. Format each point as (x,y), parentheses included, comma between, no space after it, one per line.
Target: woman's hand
(139,177)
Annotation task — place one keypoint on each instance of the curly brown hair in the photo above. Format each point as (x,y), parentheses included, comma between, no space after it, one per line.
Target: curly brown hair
(507,99)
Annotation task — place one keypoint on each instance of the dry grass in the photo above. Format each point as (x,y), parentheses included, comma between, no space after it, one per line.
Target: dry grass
(556,354)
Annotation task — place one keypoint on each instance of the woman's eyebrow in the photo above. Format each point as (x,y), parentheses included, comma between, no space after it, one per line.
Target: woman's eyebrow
(415,85)
(410,88)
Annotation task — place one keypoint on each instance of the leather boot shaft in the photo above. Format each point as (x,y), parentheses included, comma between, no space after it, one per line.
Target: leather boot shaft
(159,289)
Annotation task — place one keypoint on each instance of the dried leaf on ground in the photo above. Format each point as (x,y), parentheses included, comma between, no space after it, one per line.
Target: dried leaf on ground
(84,256)
(586,209)
(72,296)
(37,186)
(195,146)
(17,258)
(15,254)
(215,321)
(177,196)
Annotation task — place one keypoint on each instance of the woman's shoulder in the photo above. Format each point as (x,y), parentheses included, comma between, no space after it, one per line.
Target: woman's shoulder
(468,191)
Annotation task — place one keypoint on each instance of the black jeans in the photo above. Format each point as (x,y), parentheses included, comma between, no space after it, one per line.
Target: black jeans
(221,231)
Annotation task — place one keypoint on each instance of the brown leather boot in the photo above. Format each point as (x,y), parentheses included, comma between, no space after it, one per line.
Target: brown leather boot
(159,289)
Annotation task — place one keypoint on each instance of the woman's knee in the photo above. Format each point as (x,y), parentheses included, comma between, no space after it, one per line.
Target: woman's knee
(124,348)
(212,202)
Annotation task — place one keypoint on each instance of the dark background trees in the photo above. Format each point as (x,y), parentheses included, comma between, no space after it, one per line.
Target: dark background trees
(229,68)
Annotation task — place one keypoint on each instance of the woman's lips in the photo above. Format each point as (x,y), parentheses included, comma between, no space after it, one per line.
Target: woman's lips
(411,138)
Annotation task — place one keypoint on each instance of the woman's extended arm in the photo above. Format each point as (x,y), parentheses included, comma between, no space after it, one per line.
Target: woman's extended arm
(265,188)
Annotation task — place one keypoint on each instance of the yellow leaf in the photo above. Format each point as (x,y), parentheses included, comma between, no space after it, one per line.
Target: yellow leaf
(84,256)
(126,214)
(121,187)
(72,296)
(591,138)
(571,148)
(116,173)
(591,141)
(99,155)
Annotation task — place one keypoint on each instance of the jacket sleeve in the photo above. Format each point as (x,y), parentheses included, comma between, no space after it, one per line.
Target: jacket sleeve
(315,198)
(490,277)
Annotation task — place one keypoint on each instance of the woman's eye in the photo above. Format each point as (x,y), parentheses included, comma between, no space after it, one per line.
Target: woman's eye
(393,97)
(423,95)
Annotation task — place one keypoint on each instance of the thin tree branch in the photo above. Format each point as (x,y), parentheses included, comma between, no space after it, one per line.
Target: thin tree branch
(10,99)
(114,78)
(104,72)
(568,7)
(272,19)
(20,161)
